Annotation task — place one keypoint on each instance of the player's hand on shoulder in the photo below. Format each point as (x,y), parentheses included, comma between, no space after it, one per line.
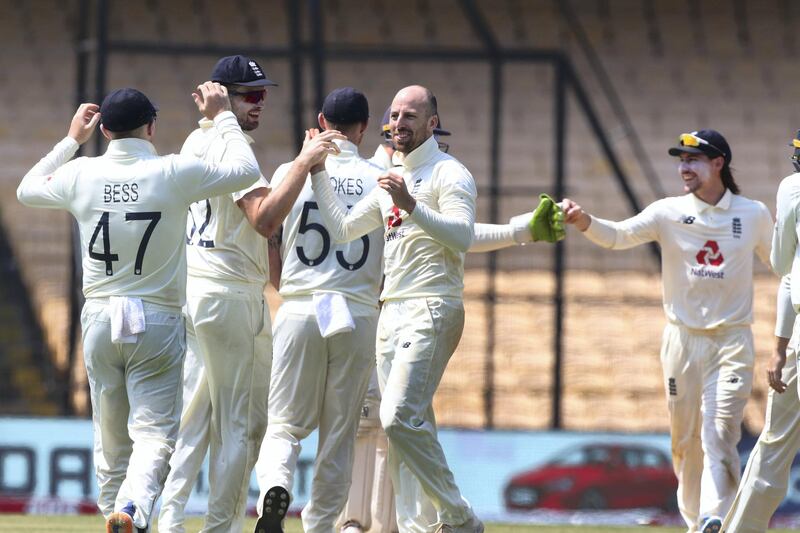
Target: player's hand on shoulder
(211,99)
(316,147)
(84,122)
(574,214)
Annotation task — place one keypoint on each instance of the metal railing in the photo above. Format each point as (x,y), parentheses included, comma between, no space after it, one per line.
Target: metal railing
(318,54)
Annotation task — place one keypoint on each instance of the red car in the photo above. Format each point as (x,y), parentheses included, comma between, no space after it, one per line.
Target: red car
(597,476)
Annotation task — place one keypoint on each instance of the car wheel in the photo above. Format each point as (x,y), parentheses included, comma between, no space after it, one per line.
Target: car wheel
(592,499)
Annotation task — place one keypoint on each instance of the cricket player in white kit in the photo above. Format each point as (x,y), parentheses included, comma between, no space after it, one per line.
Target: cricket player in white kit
(707,238)
(426,234)
(229,335)
(766,476)
(324,331)
(131,207)
(371,502)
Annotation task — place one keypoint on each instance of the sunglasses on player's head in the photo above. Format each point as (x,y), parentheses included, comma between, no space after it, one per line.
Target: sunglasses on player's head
(251,97)
(689,139)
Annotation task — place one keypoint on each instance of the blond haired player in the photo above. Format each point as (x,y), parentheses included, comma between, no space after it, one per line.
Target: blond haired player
(371,503)
(766,476)
(131,205)
(229,335)
(708,237)
(428,212)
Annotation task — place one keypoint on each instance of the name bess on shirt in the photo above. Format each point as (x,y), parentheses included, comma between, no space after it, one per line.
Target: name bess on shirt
(116,193)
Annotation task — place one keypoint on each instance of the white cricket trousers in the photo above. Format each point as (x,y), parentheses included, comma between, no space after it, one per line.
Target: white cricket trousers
(136,402)
(371,501)
(226,379)
(708,376)
(766,476)
(316,383)
(416,338)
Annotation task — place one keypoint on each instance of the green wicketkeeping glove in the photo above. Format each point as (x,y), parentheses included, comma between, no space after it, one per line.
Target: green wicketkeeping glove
(547,223)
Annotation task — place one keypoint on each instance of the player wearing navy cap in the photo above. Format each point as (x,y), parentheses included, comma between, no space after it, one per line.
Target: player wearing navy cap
(229,335)
(324,347)
(131,206)
(708,237)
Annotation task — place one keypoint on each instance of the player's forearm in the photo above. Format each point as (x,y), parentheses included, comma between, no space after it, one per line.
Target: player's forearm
(491,237)
(454,230)
(33,187)
(613,235)
(785,312)
(275,206)
(275,260)
(343,226)
(238,168)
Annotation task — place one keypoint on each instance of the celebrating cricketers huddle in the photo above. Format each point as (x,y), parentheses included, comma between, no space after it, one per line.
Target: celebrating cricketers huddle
(368,255)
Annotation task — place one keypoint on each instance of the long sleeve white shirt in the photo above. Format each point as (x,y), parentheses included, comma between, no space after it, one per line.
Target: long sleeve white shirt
(424,251)
(785,256)
(706,254)
(312,260)
(131,205)
(221,244)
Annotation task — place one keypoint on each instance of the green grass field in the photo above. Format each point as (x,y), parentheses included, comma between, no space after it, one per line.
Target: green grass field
(88,524)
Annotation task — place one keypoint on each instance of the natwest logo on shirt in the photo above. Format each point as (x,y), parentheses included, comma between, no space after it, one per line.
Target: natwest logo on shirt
(395,219)
(710,254)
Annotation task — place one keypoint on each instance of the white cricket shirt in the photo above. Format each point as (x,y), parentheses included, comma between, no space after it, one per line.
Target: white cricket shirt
(706,254)
(312,260)
(221,244)
(381,158)
(785,256)
(131,205)
(424,251)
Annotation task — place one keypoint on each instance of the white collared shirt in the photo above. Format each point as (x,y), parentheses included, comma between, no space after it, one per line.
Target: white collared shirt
(131,204)
(312,260)
(706,254)
(424,251)
(785,256)
(221,244)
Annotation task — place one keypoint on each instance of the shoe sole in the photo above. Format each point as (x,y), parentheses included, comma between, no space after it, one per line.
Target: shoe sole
(119,523)
(273,511)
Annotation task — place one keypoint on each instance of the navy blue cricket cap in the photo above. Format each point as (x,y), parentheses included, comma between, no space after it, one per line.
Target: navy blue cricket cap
(345,106)
(438,129)
(125,110)
(708,142)
(240,70)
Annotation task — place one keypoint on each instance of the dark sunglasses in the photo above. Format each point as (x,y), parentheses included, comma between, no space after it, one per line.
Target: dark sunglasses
(252,97)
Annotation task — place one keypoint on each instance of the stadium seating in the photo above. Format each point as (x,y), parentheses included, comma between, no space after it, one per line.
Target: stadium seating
(675,66)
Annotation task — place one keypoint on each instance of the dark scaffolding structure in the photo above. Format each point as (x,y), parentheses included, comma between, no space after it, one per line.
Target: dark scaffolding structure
(95,47)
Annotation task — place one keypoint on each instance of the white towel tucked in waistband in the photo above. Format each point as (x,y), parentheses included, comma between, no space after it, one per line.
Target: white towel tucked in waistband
(333,315)
(127,318)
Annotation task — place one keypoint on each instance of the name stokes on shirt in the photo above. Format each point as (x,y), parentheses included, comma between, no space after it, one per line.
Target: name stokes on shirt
(115,193)
(348,186)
